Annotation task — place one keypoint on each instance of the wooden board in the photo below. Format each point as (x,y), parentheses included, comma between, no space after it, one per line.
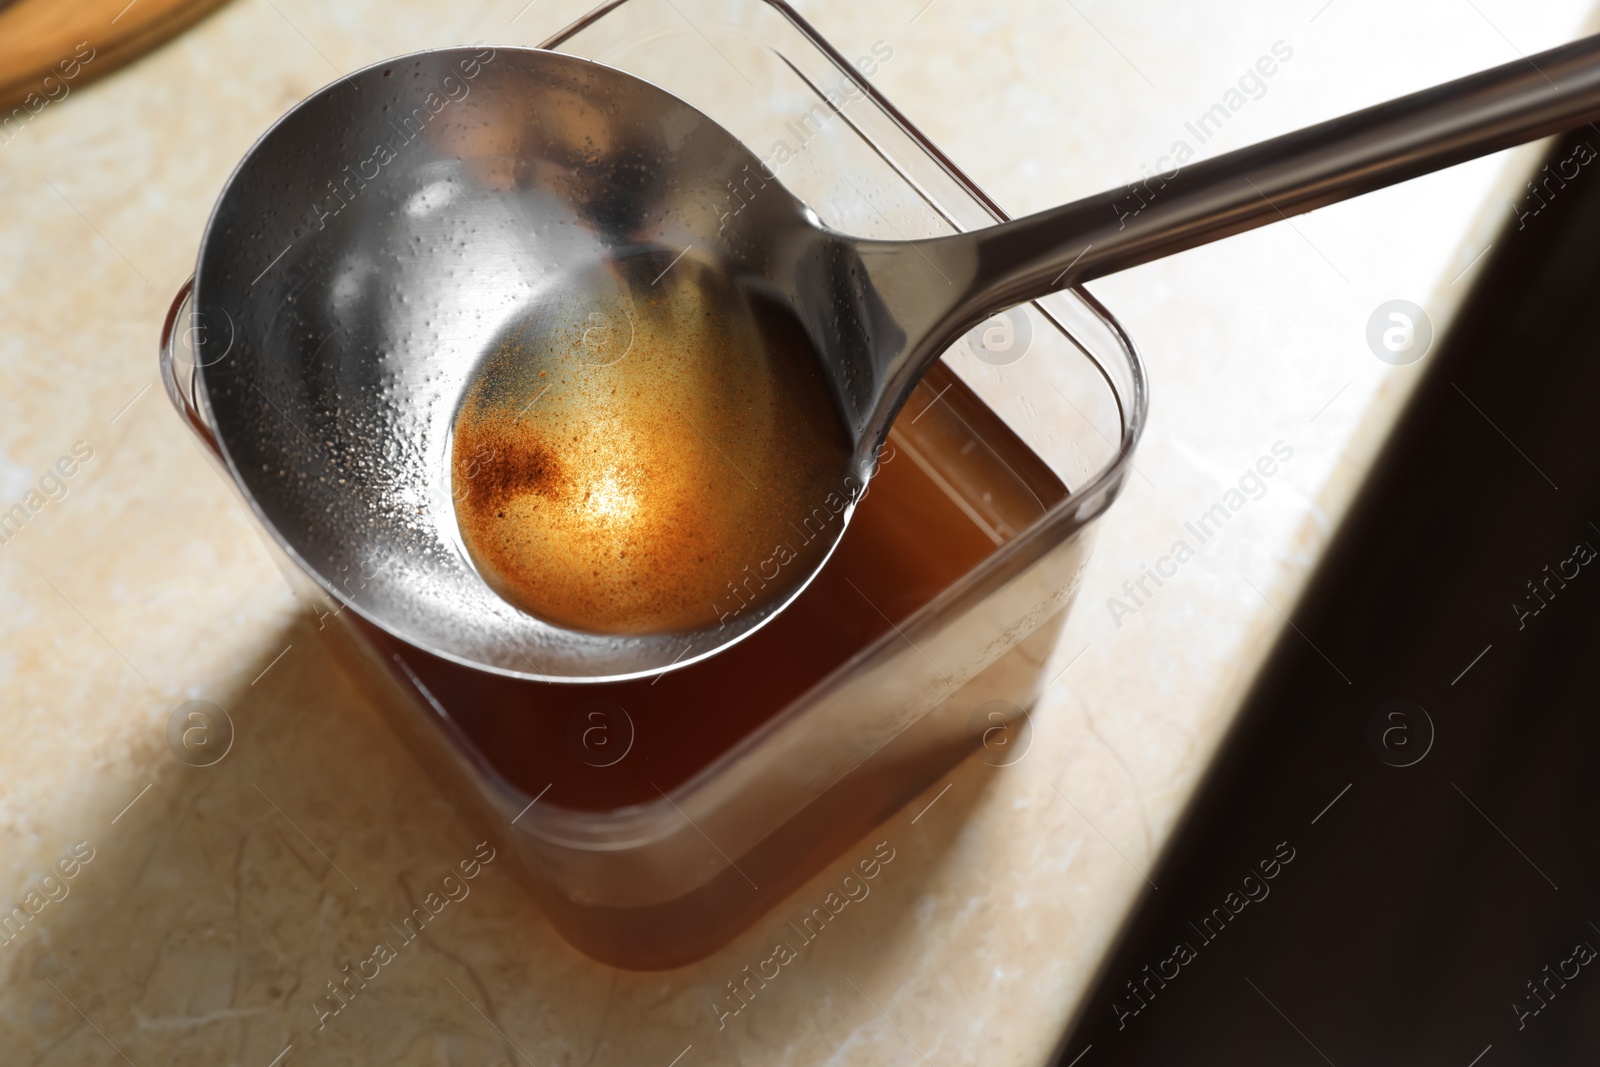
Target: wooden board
(44,45)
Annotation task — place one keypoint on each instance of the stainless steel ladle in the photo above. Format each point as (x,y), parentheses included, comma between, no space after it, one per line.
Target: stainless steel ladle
(371,248)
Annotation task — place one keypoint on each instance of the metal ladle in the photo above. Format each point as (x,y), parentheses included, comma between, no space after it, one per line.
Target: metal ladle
(350,352)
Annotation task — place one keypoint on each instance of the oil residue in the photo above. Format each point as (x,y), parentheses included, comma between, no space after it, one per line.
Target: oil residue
(659,455)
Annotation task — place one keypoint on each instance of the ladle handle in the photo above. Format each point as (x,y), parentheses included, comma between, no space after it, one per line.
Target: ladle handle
(1288,175)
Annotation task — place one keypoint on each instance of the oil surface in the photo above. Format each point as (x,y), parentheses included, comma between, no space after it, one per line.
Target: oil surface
(656,456)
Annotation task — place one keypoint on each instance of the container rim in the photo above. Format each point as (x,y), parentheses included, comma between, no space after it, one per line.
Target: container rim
(1081,506)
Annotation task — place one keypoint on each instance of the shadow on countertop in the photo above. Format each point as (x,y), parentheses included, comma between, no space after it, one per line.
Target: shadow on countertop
(222,903)
(1423,738)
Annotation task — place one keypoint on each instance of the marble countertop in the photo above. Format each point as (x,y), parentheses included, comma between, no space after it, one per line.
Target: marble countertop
(206,906)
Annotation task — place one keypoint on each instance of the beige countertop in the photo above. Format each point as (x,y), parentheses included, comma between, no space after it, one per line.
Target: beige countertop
(217,901)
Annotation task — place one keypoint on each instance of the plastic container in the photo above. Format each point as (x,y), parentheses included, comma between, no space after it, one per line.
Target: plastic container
(653,821)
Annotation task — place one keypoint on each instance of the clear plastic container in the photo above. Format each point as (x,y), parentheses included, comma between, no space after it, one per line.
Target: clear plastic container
(653,821)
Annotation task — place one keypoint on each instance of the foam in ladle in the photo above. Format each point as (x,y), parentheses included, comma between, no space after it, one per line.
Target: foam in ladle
(649,457)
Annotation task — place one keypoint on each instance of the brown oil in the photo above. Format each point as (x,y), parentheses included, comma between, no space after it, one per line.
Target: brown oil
(954,483)
(656,456)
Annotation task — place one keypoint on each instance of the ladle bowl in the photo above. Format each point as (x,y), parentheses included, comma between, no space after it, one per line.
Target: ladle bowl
(378,242)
